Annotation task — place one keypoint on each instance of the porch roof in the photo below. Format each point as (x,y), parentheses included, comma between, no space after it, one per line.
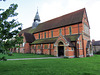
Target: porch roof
(72,37)
(45,41)
(69,38)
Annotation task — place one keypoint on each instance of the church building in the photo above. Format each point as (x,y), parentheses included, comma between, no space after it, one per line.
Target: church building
(67,36)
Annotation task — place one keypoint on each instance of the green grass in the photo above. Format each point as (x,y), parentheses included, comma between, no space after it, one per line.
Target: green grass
(59,66)
(20,55)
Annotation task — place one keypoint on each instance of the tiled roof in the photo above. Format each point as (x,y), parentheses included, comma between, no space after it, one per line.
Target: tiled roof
(68,19)
(69,38)
(29,37)
(96,43)
(45,41)
(72,37)
(25,30)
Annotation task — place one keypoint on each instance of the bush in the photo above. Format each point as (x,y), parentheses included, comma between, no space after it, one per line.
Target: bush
(3,58)
(98,52)
(66,57)
(10,54)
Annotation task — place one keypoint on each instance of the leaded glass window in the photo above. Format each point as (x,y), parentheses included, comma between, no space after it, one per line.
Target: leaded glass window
(70,30)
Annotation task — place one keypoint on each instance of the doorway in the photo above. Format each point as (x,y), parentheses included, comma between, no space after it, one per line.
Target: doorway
(60,49)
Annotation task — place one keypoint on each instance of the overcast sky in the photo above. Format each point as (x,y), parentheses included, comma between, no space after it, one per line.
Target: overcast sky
(49,9)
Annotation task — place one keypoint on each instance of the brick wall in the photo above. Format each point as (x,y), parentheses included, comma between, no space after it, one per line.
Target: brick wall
(56,32)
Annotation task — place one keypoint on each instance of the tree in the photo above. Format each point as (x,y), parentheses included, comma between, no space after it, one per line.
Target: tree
(2,0)
(9,29)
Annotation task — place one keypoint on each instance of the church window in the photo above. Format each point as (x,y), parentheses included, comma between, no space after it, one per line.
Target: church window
(51,33)
(38,46)
(45,46)
(39,35)
(70,30)
(44,34)
(32,47)
(72,48)
(53,46)
(23,44)
(60,31)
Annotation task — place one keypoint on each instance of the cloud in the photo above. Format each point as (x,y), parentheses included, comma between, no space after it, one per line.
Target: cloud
(51,10)
(94,18)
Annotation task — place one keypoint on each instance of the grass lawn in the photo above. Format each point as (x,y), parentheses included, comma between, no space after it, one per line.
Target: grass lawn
(59,66)
(20,55)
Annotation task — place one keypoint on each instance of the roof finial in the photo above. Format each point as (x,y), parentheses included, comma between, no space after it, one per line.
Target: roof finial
(37,16)
(37,8)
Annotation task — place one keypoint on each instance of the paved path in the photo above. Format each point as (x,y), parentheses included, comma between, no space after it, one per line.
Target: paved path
(35,58)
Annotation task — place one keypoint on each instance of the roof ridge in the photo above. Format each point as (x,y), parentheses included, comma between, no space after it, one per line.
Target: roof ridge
(64,20)
(64,15)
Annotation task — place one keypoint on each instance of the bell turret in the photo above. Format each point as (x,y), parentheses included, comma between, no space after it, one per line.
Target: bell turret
(37,16)
(36,20)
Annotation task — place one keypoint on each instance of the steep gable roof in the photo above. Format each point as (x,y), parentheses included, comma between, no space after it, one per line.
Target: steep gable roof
(96,43)
(68,19)
(29,37)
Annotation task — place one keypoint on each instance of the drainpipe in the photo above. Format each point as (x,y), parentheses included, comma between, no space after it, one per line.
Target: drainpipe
(78,49)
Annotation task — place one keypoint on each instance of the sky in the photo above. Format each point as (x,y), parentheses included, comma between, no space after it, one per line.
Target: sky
(49,9)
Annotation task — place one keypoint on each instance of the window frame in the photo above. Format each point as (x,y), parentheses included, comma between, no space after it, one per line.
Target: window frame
(52,33)
(33,47)
(39,47)
(70,30)
(23,44)
(39,35)
(45,46)
(44,34)
(60,30)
